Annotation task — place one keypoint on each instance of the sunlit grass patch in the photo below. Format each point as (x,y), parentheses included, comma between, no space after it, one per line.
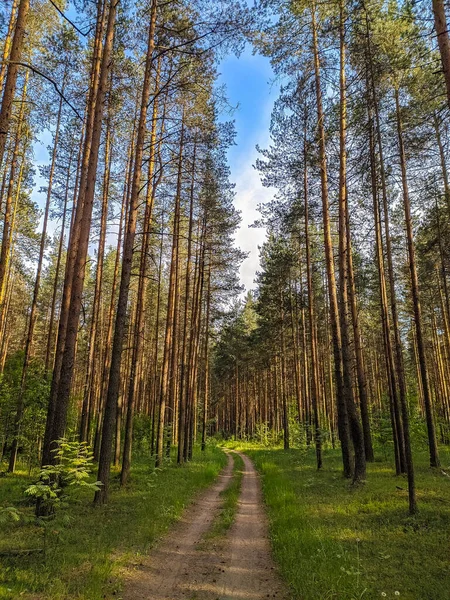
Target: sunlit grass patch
(335,541)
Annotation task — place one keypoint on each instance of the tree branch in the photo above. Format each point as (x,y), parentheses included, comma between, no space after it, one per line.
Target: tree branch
(85,34)
(49,79)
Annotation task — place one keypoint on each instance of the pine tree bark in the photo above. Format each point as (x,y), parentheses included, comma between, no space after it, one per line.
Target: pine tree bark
(48,350)
(433,449)
(183,392)
(311,315)
(9,89)
(207,327)
(343,422)
(110,327)
(355,426)
(360,369)
(441,28)
(93,333)
(112,394)
(398,354)
(194,345)
(295,351)
(286,440)
(139,324)
(9,204)
(33,311)
(397,428)
(443,162)
(7,43)
(168,338)
(79,237)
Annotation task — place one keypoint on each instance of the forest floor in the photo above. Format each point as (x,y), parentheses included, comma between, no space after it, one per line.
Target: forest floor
(330,540)
(336,541)
(81,554)
(235,564)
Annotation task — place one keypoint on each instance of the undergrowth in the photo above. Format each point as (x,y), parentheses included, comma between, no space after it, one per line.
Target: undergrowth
(84,556)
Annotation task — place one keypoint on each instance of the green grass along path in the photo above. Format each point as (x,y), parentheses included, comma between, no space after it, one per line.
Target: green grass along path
(331,541)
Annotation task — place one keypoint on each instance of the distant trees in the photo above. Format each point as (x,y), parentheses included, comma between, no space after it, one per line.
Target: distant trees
(357,160)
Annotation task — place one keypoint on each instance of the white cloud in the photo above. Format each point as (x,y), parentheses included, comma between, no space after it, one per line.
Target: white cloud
(249,194)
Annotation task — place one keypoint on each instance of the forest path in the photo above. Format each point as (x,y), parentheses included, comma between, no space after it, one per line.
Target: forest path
(238,567)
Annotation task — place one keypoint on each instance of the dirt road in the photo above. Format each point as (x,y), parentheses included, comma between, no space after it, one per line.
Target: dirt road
(239,567)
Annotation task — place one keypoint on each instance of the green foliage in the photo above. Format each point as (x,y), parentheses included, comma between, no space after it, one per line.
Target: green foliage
(8,514)
(418,431)
(266,436)
(71,472)
(382,434)
(141,434)
(35,397)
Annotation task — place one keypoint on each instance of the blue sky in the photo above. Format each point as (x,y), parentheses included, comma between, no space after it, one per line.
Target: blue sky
(248,80)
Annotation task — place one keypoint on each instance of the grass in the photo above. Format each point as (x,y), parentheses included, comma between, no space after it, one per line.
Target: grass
(84,557)
(332,540)
(335,541)
(230,496)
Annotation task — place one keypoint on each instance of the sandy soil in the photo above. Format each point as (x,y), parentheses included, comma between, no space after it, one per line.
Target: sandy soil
(185,567)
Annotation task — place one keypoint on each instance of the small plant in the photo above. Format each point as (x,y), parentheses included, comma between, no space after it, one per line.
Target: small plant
(9,514)
(72,470)
(351,571)
(56,485)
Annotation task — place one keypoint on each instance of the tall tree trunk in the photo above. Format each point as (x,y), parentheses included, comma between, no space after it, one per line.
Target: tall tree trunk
(311,315)
(109,418)
(433,449)
(283,378)
(157,382)
(48,351)
(398,355)
(9,206)
(93,333)
(171,413)
(110,327)
(33,311)
(9,89)
(194,346)
(168,339)
(139,323)
(443,162)
(441,28)
(355,426)
(207,327)
(397,429)
(7,43)
(183,392)
(343,422)
(360,369)
(295,355)
(79,238)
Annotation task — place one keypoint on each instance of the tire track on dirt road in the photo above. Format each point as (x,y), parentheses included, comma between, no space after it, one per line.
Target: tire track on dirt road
(237,567)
